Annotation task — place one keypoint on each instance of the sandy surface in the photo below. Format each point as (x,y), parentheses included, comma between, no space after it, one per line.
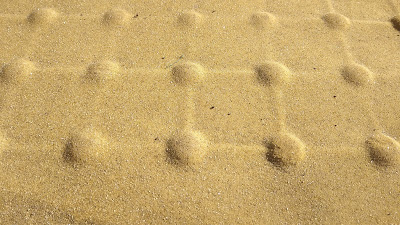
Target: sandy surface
(199,112)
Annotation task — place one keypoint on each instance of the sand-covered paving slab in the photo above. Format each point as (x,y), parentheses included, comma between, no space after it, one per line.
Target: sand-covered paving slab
(199,112)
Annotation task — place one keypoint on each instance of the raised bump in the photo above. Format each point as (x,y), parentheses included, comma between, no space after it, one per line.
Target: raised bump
(186,147)
(101,71)
(396,22)
(272,73)
(87,146)
(117,17)
(262,20)
(336,21)
(190,19)
(285,149)
(43,16)
(383,150)
(187,73)
(357,74)
(17,71)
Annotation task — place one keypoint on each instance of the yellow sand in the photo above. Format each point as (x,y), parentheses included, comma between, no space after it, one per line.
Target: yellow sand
(199,112)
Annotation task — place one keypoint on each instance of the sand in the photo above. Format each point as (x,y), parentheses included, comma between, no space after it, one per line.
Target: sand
(199,112)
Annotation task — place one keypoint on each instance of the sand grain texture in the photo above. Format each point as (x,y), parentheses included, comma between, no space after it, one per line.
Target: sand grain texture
(199,112)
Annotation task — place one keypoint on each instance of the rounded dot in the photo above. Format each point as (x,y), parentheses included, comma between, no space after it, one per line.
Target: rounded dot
(42,16)
(285,149)
(396,22)
(272,73)
(101,71)
(262,20)
(17,71)
(357,74)
(187,73)
(87,146)
(116,17)
(336,21)
(190,19)
(383,150)
(186,147)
